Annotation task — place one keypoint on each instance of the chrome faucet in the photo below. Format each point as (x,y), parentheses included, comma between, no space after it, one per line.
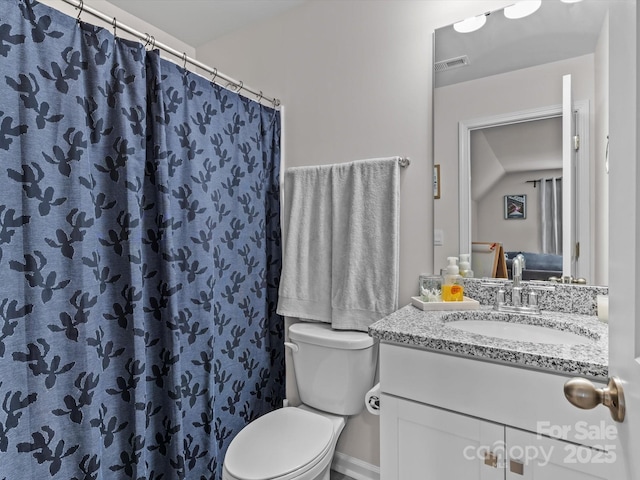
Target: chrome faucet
(517,305)
(516,273)
(517,266)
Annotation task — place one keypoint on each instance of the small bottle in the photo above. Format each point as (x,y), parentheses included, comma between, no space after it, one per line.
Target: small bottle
(465,266)
(453,285)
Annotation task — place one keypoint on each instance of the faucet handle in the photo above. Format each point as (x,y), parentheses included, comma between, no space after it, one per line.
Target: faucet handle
(516,296)
(500,297)
(533,299)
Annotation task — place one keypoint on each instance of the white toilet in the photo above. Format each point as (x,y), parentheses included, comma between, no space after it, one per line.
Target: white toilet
(334,370)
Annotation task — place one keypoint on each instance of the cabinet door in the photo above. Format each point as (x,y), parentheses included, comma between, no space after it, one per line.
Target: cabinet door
(532,457)
(427,443)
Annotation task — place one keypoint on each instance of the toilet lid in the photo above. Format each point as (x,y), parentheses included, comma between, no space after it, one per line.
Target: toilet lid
(279,443)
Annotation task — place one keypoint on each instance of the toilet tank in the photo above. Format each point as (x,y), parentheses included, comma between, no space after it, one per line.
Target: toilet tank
(334,368)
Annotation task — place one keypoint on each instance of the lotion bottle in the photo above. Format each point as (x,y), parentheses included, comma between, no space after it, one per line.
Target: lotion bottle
(453,285)
(465,266)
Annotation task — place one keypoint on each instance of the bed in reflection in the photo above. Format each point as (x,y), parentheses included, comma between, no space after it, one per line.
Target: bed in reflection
(538,266)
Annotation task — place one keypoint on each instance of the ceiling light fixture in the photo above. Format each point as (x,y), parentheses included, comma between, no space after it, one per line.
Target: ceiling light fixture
(470,24)
(522,9)
(570,1)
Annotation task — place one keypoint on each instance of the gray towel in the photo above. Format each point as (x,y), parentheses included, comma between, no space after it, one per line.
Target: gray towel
(340,262)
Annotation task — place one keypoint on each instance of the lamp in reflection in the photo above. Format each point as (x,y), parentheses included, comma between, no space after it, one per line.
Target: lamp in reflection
(470,24)
(522,9)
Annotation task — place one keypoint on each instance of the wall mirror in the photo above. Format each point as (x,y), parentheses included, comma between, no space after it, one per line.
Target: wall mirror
(498,123)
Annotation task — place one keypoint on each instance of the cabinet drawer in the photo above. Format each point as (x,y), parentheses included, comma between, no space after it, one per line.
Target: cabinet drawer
(527,399)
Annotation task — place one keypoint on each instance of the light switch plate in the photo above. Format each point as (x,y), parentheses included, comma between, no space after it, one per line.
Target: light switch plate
(438,237)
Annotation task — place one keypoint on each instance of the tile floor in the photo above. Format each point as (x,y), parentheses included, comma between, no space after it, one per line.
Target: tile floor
(339,476)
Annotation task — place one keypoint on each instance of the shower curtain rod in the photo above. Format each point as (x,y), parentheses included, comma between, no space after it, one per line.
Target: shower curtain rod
(238,85)
(540,180)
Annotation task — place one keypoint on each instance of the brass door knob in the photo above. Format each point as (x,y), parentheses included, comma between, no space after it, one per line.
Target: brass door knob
(584,394)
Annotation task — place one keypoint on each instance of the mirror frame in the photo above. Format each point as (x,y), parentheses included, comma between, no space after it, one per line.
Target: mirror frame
(594,244)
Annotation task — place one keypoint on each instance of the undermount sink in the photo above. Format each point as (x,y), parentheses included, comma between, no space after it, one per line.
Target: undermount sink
(521,332)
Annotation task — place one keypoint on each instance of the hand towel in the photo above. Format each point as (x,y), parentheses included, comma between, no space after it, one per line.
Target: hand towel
(305,282)
(340,261)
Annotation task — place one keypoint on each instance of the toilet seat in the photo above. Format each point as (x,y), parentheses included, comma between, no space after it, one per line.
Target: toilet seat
(280,445)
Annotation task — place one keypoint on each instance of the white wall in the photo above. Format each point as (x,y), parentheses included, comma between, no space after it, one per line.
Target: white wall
(504,161)
(355,77)
(516,234)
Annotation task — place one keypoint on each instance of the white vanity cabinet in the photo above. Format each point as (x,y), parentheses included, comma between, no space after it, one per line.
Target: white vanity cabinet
(449,417)
(423,442)
(556,459)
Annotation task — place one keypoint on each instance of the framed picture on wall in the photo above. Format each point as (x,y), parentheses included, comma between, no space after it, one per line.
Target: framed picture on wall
(436,181)
(515,207)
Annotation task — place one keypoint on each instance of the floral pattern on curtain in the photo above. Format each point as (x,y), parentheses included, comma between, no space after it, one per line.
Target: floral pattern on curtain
(139,257)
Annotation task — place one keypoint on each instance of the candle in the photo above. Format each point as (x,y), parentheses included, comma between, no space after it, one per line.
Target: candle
(602,302)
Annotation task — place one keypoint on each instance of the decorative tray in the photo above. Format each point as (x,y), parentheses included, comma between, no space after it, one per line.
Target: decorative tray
(466,304)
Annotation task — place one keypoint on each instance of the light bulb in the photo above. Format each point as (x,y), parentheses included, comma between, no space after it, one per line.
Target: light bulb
(470,24)
(522,9)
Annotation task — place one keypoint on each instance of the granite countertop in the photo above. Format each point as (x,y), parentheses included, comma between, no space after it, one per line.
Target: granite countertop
(413,327)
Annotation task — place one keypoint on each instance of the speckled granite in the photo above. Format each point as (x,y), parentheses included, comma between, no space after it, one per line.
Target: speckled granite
(555,297)
(413,327)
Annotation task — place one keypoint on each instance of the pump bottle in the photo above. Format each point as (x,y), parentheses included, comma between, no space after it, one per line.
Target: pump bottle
(465,266)
(453,285)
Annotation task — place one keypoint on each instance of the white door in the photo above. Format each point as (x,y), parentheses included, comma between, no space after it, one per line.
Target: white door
(624,215)
(624,227)
(576,181)
(568,179)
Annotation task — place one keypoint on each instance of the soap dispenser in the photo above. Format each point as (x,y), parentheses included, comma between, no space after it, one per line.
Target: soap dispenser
(465,266)
(453,285)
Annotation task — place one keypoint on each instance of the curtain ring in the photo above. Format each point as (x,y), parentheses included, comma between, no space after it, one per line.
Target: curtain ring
(184,60)
(81,8)
(153,43)
(260,96)
(147,40)
(239,86)
(215,75)
(115,27)
(275,102)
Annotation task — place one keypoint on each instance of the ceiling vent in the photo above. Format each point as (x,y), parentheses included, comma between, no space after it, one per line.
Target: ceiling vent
(451,63)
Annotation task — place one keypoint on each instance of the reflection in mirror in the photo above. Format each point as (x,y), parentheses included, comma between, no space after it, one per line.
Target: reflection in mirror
(512,70)
(515,160)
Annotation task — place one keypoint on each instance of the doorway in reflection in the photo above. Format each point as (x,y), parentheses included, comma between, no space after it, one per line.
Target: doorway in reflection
(510,161)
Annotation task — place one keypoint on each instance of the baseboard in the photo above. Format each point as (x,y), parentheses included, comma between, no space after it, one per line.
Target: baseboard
(354,467)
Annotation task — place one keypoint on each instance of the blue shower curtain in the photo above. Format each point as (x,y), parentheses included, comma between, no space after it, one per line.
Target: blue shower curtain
(139,258)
